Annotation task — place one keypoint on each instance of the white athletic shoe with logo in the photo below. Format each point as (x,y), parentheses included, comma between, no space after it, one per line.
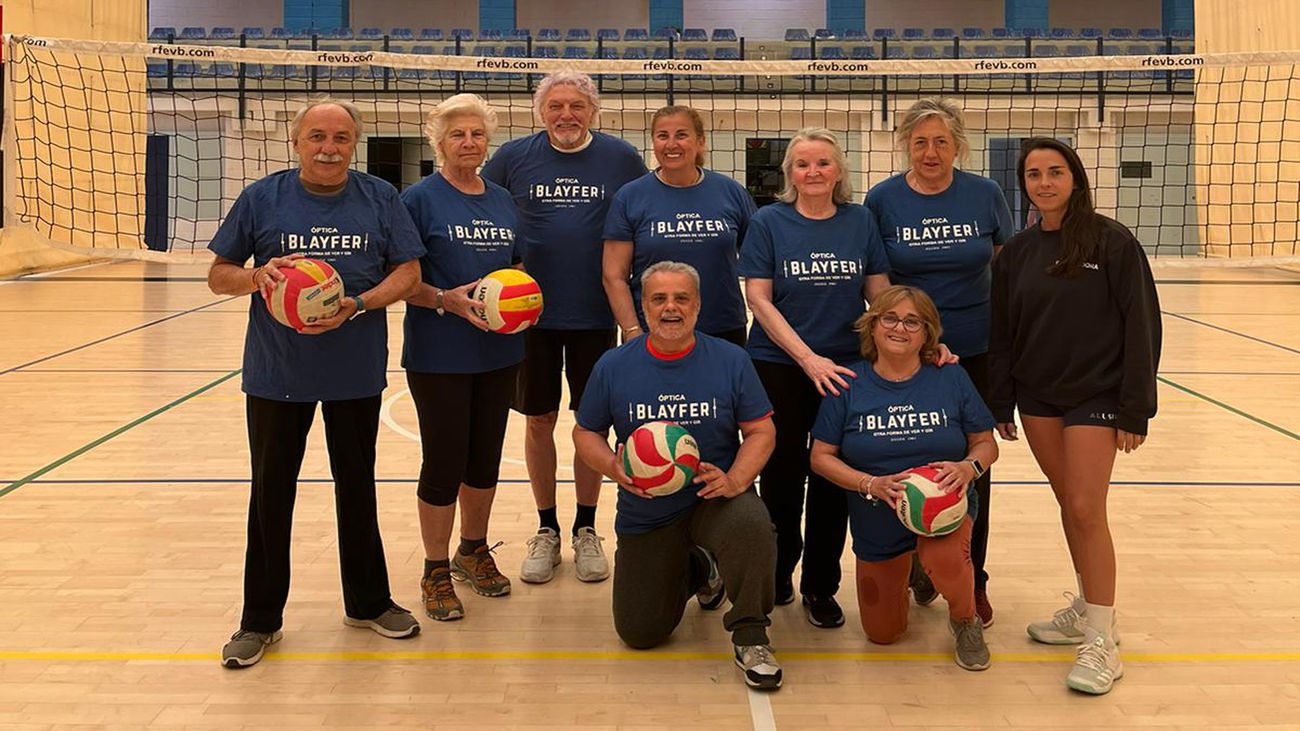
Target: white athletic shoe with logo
(542,558)
(589,560)
(1066,627)
(1097,665)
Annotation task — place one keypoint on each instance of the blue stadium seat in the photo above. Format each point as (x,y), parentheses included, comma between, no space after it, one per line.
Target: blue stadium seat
(664,34)
(697,53)
(863,53)
(253,32)
(162,33)
(482,50)
(1077,50)
(985,51)
(636,53)
(1027,32)
(548,34)
(1013,50)
(278,33)
(724,35)
(972,33)
(921,52)
(222,33)
(491,34)
(882,33)
(661,52)
(913,34)
(185,69)
(518,34)
(799,53)
(636,34)
(1002,33)
(303,33)
(282,71)
(831,53)
(1046,51)
(607,34)
(371,34)
(545,52)
(948,52)
(515,52)
(943,34)
(796,34)
(361,47)
(345,73)
(896,52)
(402,34)
(156,69)
(194,33)
(578,35)
(726,53)
(1139,50)
(424,50)
(1181,34)
(1121,34)
(824,34)
(1150,34)
(465,34)
(1091,33)
(254,71)
(431,34)
(695,35)
(1061,33)
(854,34)
(607,52)
(340,34)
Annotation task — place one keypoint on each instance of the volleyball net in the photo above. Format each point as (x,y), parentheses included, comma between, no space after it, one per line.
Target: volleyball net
(139,149)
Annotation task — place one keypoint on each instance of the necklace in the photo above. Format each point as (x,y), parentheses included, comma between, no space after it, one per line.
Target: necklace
(659,173)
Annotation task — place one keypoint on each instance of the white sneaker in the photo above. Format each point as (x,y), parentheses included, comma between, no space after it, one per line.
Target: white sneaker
(543,556)
(762,671)
(1097,665)
(589,560)
(1066,627)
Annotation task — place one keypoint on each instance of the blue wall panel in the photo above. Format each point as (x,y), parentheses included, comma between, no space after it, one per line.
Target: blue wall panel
(844,15)
(1022,14)
(666,14)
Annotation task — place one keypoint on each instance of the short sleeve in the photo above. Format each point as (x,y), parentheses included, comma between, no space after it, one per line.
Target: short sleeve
(747,210)
(497,167)
(594,411)
(617,225)
(757,258)
(1002,213)
(877,261)
(829,426)
(752,403)
(404,242)
(234,239)
(975,416)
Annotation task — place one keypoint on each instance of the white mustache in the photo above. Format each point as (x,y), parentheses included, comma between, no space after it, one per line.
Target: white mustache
(322,157)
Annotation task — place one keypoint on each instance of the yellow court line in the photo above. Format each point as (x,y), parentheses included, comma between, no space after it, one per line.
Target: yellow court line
(875,657)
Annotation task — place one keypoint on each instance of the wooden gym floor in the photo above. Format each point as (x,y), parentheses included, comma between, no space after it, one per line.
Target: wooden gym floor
(122,507)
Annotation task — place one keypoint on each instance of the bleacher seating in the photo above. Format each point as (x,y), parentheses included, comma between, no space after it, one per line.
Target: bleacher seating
(896,52)
(636,53)
(824,34)
(800,53)
(340,34)
(724,35)
(1046,51)
(156,69)
(973,33)
(371,34)
(883,33)
(162,33)
(253,32)
(491,34)
(854,34)
(796,34)
(193,33)
(726,53)
(607,34)
(518,34)
(697,53)
(577,35)
(1180,34)
(695,35)
(221,33)
(1061,33)
(546,52)
(431,34)
(548,34)
(924,52)
(664,34)
(636,34)
(943,34)
(1090,33)
(1001,33)
(913,34)
(831,53)
(279,34)
(1077,50)
(610,53)
(402,34)
(863,53)
(1121,34)
(1150,34)
(985,51)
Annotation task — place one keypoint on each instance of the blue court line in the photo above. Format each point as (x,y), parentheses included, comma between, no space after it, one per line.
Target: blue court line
(401,371)
(1227,407)
(1233,332)
(106,338)
(412,481)
(1230,373)
(1227,282)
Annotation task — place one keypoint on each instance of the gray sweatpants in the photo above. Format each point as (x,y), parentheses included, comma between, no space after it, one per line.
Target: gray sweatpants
(656,574)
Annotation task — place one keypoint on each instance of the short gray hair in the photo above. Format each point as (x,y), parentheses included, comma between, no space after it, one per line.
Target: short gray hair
(670,267)
(295,125)
(577,80)
(938,108)
(435,125)
(843,192)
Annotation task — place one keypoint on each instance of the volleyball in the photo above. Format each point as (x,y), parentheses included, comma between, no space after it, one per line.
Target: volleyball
(311,291)
(661,458)
(926,510)
(511,301)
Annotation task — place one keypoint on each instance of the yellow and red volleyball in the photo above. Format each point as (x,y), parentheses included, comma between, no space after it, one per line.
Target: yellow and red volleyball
(661,457)
(511,301)
(311,291)
(927,510)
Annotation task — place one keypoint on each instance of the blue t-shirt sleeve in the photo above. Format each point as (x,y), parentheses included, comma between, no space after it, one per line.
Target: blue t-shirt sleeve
(495,168)
(617,225)
(1006,229)
(593,412)
(752,403)
(234,239)
(975,416)
(404,242)
(877,261)
(757,257)
(829,426)
(747,210)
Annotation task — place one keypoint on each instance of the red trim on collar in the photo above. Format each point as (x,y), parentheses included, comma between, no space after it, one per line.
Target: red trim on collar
(667,356)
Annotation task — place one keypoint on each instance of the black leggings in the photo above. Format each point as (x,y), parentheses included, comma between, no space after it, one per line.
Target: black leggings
(977,367)
(462,427)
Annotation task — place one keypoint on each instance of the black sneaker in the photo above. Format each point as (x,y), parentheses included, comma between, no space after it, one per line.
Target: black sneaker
(923,590)
(711,594)
(823,611)
(784,591)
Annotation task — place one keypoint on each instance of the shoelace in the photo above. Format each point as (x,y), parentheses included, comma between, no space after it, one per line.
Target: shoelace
(1068,617)
(969,637)
(443,589)
(587,544)
(759,655)
(484,566)
(248,634)
(1093,656)
(540,545)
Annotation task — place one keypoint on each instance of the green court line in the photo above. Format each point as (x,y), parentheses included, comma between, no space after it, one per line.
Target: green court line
(120,430)
(1226,407)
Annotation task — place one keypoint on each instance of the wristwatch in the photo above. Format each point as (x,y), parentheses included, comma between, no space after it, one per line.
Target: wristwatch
(979,468)
(361,305)
(437,307)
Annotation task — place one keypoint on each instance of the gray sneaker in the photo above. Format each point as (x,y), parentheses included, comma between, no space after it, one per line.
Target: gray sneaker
(589,559)
(710,595)
(246,647)
(972,652)
(762,671)
(395,623)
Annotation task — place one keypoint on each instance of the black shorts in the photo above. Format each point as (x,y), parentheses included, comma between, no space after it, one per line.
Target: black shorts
(1099,410)
(546,353)
(462,430)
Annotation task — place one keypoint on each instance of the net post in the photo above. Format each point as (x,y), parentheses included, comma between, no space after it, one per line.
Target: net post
(460,77)
(956,54)
(1169,75)
(884,83)
(672,53)
(243,98)
(742,58)
(1029,53)
(7,177)
(387,70)
(812,54)
(528,78)
(315,46)
(1101,83)
(600,54)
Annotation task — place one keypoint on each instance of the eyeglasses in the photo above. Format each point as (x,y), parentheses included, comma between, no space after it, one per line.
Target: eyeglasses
(910,324)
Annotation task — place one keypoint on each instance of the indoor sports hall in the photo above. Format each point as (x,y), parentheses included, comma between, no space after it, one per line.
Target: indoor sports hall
(130,127)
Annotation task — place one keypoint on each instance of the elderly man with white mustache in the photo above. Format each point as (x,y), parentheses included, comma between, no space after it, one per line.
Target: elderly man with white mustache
(357,224)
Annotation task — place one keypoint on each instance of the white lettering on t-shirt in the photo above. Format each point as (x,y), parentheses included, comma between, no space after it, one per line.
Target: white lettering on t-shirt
(566,192)
(821,268)
(673,407)
(480,234)
(902,422)
(937,233)
(324,239)
(687,226)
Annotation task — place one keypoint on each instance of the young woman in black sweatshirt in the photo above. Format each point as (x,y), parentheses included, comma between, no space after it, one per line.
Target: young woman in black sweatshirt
(1074,345)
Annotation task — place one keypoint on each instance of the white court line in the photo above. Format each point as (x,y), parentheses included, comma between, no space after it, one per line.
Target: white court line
(54,272)
(386,416)
(760,710)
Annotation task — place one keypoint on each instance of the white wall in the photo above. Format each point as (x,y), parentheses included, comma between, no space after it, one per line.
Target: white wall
(760,19)
(208,13)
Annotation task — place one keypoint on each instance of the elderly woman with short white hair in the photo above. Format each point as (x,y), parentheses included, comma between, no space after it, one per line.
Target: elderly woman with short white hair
(460,375)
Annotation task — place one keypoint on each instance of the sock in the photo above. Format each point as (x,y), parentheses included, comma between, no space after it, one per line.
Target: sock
(468,546)
(584,518)
(1101,619)
(429,566)
(546,519)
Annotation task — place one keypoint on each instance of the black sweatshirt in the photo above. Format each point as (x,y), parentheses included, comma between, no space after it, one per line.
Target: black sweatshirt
(1063,340)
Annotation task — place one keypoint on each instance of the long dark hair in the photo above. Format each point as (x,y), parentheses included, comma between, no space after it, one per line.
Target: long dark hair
(1081,227)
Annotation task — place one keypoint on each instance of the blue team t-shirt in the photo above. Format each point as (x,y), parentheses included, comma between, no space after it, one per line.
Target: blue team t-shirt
(710,391)
(360,232)
(702,225)
(465,237)
(883,428)
(817,268)
(943,244)
(562,199)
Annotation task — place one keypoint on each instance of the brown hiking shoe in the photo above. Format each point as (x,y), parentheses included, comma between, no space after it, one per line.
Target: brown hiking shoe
(440,601)
(480,571)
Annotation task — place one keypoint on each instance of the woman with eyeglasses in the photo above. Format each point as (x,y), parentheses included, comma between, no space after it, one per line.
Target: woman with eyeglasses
(904,412)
